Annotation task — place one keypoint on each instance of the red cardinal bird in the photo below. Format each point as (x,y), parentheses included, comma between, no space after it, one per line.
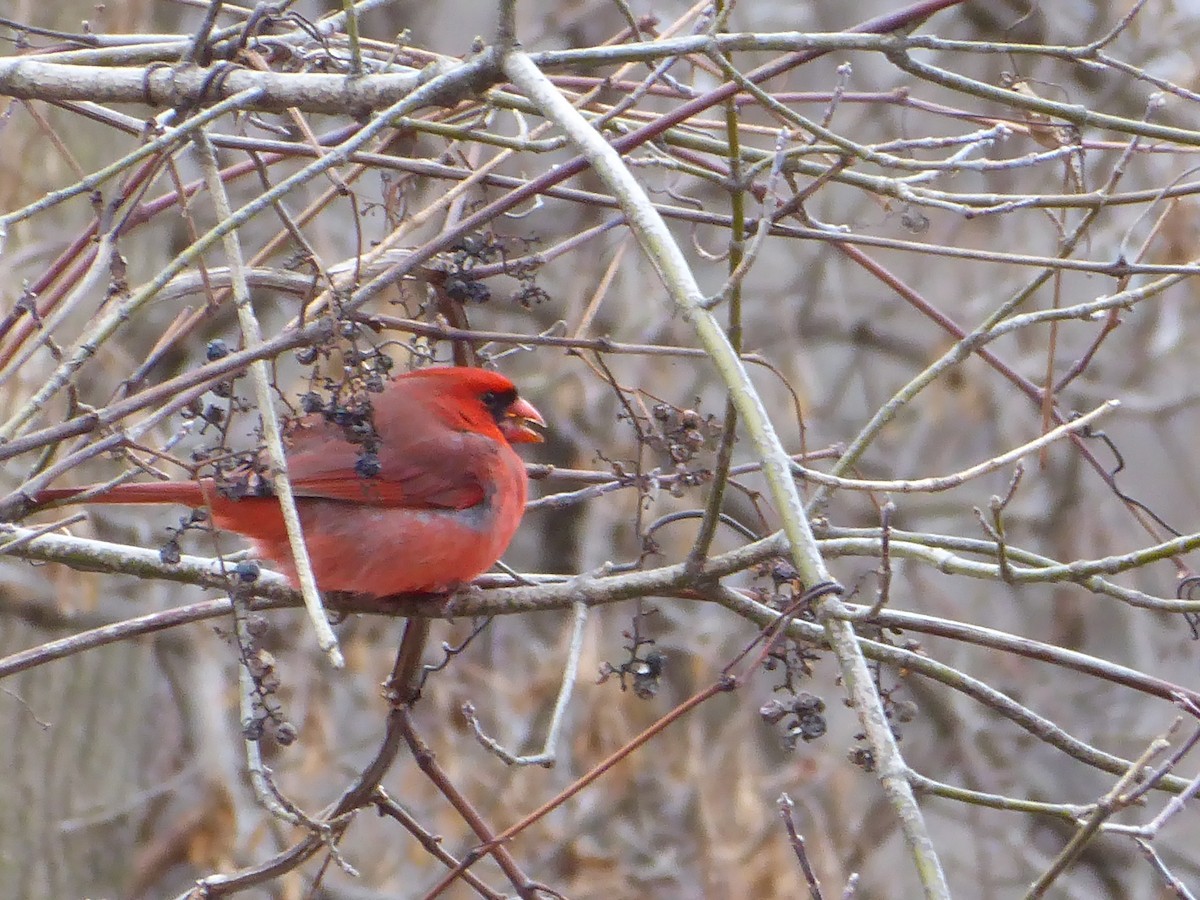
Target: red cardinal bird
(435,506)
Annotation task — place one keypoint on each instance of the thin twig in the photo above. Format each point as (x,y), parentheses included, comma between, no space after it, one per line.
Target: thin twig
(549,752)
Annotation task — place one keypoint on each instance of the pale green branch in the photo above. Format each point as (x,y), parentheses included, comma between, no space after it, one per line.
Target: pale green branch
(669,262)
(260,376)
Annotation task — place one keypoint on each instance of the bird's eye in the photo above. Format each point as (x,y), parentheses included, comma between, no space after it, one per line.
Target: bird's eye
(498,403)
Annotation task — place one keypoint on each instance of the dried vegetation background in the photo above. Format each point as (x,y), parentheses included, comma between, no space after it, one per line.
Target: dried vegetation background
(1023,175)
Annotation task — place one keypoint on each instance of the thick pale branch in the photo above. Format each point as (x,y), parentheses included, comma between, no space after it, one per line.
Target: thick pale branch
(272,592)
(260,376)
(668,260)
(182,86)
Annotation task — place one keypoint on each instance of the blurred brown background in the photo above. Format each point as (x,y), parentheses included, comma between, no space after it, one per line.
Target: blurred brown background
(124,768)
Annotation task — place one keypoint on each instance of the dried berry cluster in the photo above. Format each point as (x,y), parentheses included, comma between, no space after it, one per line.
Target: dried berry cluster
(804,717)
(799,713)
(462,284)
(366,369)
(643,671)
(265,715)
(682,433)
(170,552)
(683,436)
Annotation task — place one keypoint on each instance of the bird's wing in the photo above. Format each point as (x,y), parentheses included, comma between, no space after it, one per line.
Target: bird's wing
(425,466)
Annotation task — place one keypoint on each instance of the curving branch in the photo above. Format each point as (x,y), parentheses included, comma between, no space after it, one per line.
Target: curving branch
(660,247)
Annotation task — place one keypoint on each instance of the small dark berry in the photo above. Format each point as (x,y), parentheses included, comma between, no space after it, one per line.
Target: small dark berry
(863,758)
(285,734)
(655,662)
(804,702)
(247,571)
(809,728)
(905,710)
(645,688)
(915,221)
(772,712)
(478,292)
(472,244)
(306,356)
(216,349)
(359,432)
(367,465)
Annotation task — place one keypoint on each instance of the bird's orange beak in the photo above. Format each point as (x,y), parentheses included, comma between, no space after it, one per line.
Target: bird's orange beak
(517,420)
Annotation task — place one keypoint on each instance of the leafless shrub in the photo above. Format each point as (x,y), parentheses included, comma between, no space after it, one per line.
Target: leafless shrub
(828,319)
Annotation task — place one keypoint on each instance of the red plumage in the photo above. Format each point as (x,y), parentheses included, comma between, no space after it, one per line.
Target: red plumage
(447,498)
